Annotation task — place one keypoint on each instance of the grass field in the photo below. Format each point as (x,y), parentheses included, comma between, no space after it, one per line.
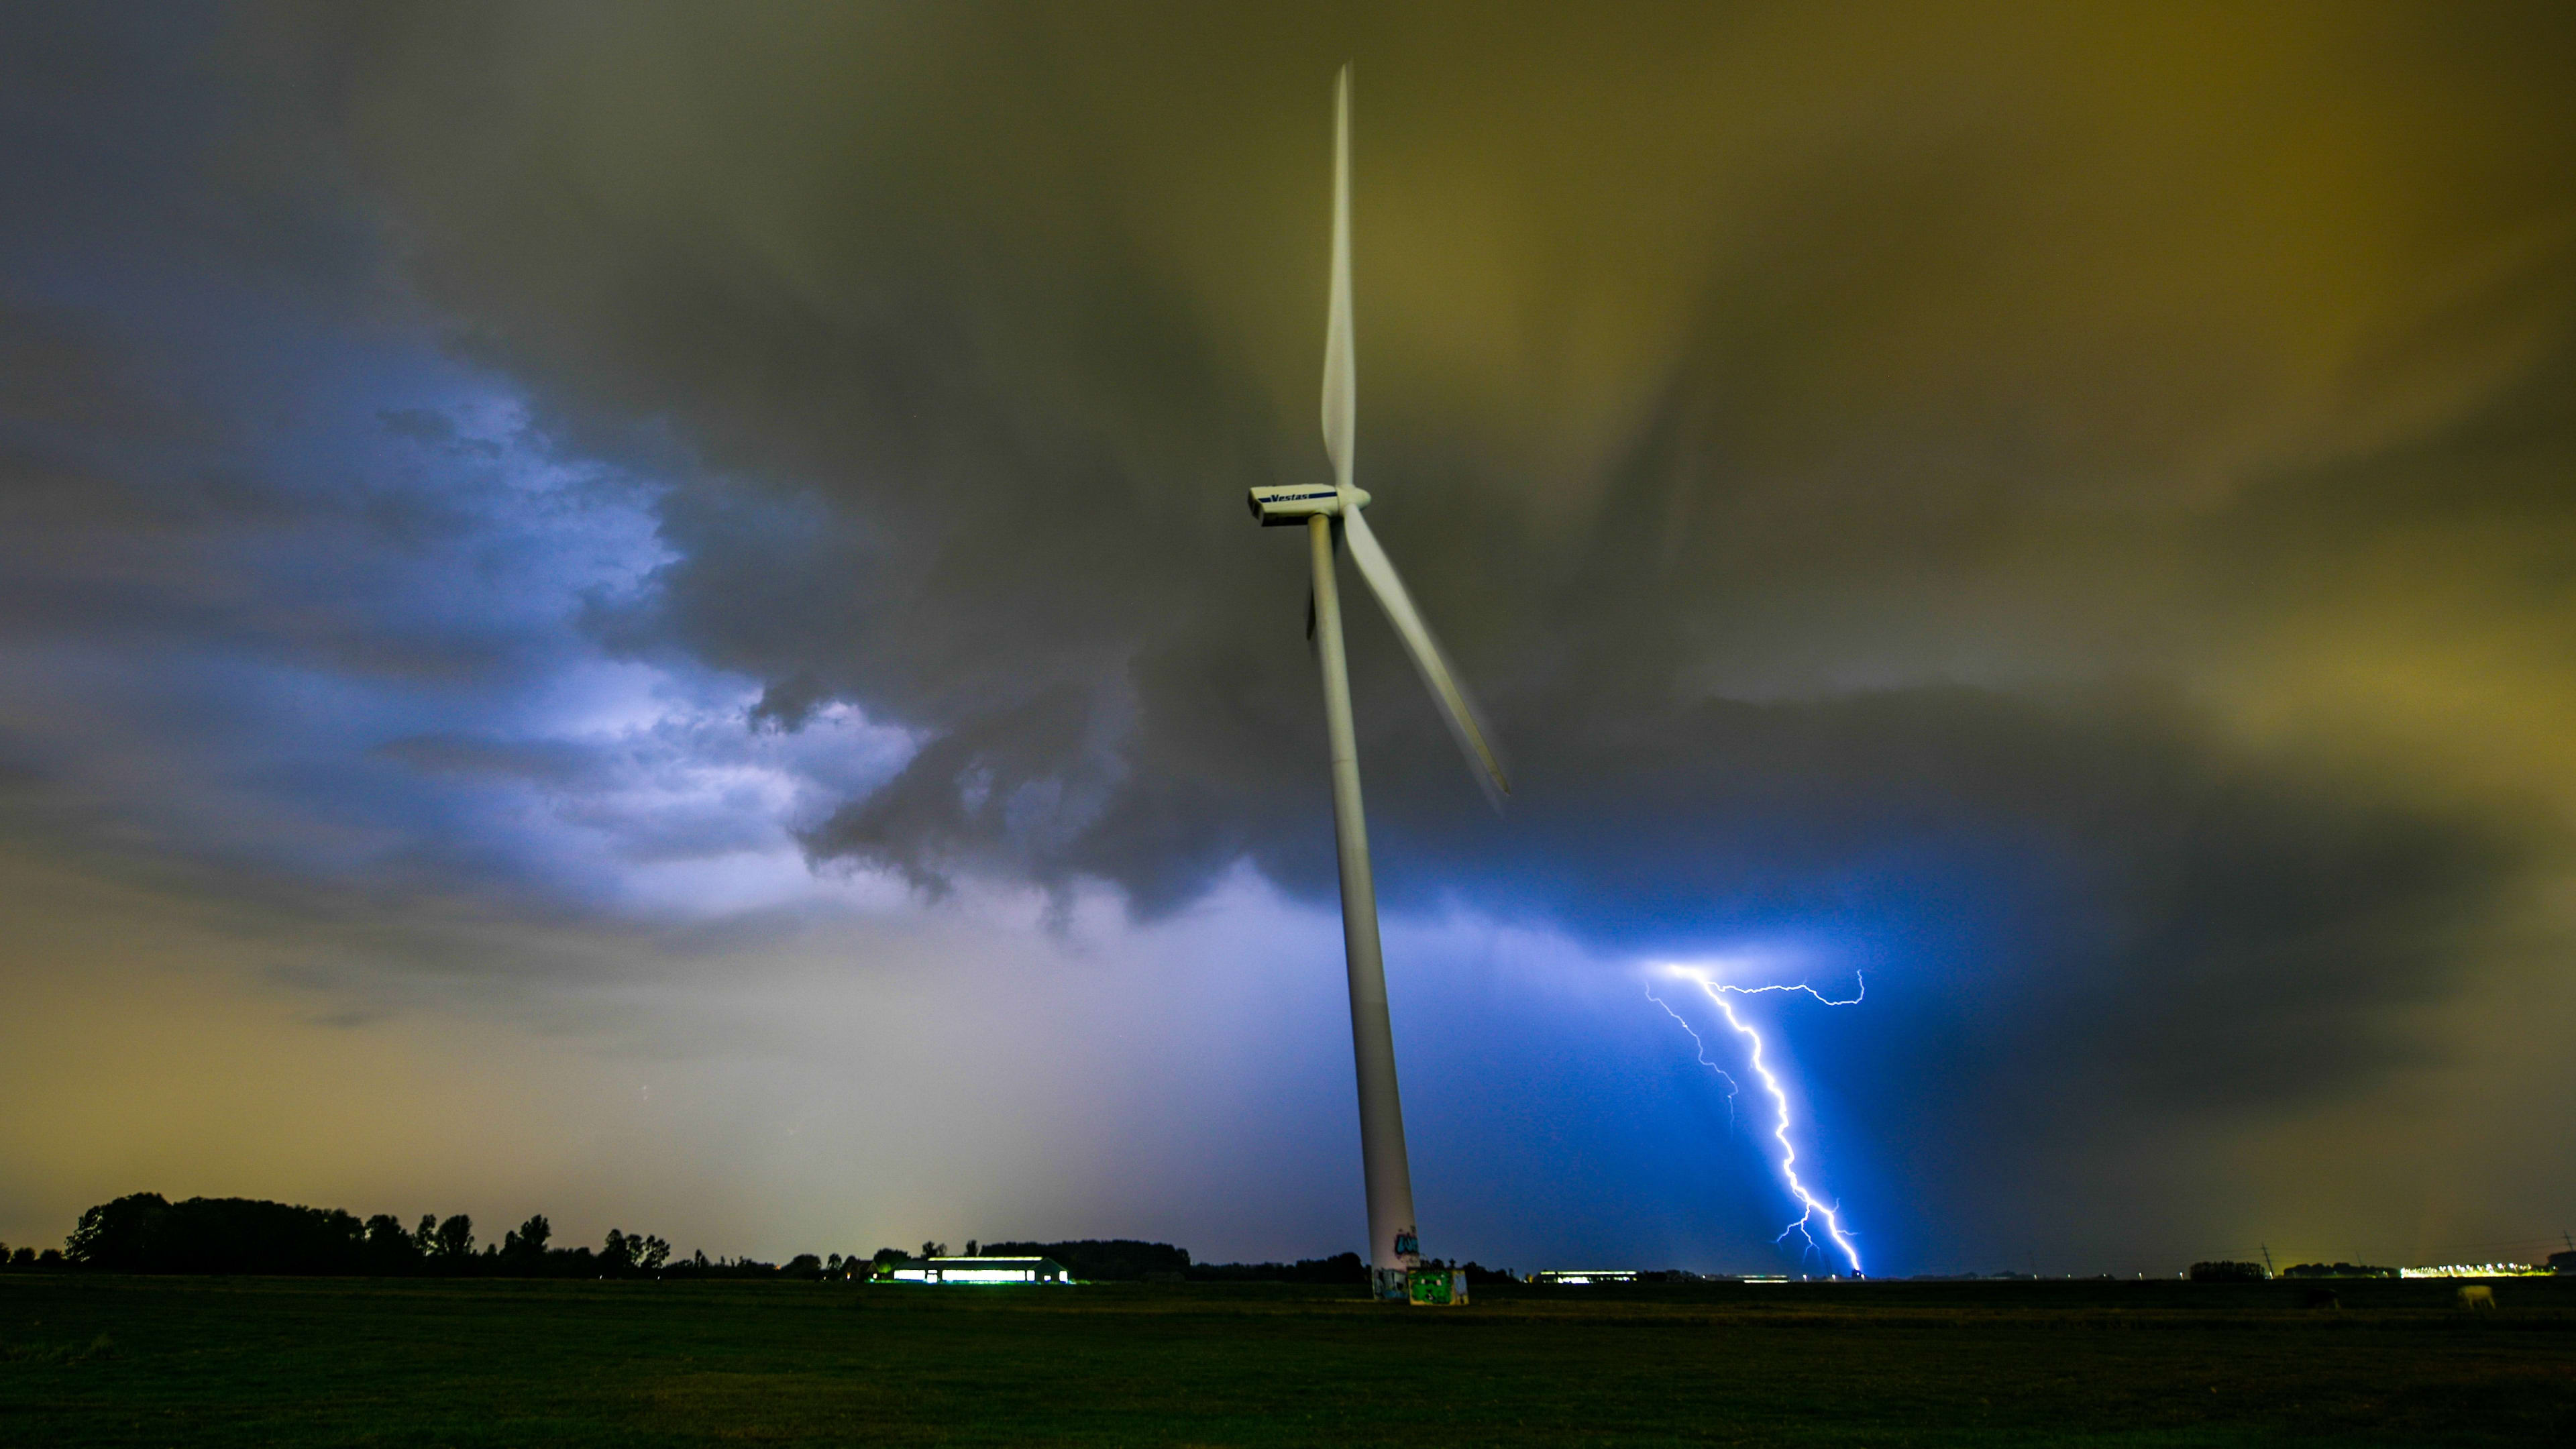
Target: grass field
(104,1360)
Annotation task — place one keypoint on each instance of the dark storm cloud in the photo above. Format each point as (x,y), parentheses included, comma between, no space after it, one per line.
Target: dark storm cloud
(249,528)
(1816,433)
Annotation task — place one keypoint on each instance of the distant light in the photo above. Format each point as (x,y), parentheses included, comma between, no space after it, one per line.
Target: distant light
(2475,1270)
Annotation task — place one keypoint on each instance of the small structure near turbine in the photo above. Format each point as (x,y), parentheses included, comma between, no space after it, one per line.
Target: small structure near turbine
(1436,1287)
(1330,514)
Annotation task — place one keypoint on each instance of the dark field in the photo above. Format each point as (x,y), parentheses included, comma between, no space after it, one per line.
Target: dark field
(104,1360)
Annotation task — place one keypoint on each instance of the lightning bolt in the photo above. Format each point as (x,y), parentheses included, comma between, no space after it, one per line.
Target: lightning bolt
(1699,1049)
(1812,1210)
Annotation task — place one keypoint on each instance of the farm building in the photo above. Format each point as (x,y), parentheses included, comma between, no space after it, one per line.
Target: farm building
(1585,1277)
(980,1270)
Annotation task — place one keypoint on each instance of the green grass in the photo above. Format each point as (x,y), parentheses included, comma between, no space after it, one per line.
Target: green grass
(103,1360)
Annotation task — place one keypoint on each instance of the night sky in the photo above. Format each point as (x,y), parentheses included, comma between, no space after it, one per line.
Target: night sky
(646,613)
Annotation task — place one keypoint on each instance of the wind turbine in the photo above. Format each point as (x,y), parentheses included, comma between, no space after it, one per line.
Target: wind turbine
(1330,514)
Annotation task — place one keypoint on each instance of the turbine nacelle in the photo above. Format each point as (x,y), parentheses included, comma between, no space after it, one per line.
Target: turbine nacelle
(1279,505)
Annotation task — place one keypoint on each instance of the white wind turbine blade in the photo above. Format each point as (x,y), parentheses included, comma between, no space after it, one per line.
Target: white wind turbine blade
(1340,385)
(1466,723)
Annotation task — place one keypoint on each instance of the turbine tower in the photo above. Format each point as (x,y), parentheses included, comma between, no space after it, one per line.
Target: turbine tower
(1331,515)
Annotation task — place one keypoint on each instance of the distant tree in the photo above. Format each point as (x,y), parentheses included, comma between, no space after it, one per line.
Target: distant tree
(617,1254)
(424,1239)
(700,1266)
(455,1238)
(934,1250)
(389,1249)
(1112,1260)
(120,1235)
(803,1265)
(25,1257)
(652,1255)
(970,1247)
(2337,1270)
(143,1233)
(2223,1272)
(528,1240)
(1340,1268)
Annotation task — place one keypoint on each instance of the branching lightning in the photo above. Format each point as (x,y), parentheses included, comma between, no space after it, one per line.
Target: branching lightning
(1699,1048)
(1812,1211)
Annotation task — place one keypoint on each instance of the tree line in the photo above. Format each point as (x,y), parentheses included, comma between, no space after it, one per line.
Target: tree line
(1126,1260)
(2227,1272)
(145,1232)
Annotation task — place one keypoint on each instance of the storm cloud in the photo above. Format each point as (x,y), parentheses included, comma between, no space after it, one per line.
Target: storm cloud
(1956,374)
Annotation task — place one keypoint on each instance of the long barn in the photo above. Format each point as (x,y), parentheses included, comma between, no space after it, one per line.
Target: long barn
(980,1270)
